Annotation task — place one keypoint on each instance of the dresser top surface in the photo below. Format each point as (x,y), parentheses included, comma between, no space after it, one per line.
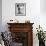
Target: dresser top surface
(19,23)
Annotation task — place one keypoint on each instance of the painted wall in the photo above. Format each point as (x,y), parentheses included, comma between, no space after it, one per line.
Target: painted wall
(43,6)
(33,13)
(43,14)
(0,15)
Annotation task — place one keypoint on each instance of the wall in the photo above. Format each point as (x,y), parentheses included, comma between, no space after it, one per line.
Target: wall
(43,6)
(0,15)
(33,13)
(43,14)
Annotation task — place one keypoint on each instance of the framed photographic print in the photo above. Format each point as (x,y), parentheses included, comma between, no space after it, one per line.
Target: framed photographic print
(20,9)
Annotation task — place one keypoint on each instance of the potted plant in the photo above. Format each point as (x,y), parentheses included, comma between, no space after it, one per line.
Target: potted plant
(41,36)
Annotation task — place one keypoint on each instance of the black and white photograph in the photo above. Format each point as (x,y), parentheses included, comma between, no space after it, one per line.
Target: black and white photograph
(20,9)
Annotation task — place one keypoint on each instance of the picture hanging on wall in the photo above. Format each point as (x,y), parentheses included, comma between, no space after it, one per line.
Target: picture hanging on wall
(20,9)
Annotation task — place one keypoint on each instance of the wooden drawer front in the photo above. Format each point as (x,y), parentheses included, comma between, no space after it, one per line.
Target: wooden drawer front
(21,26)
(18,29)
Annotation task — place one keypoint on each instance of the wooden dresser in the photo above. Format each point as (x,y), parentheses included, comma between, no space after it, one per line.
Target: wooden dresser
(22,33)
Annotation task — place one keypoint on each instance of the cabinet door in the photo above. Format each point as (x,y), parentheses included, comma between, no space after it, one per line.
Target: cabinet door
(20,37)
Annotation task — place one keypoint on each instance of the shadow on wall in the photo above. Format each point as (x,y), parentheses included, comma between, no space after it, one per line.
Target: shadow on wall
(0,15)
(43,6)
